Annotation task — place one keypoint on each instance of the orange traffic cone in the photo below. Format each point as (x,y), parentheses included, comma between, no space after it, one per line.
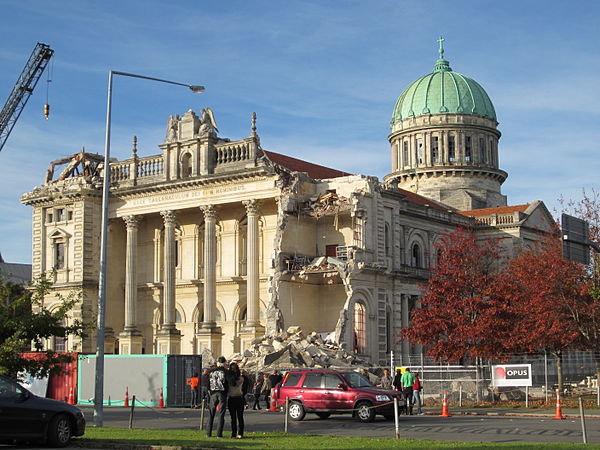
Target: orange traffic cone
(558,414)
(273,407)
(445,412)
(71,400)
(126,401)
(161,400)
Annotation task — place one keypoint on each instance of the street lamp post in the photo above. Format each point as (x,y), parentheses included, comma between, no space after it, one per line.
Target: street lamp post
(99,381)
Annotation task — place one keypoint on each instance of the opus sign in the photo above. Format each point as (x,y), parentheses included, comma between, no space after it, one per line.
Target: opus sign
(511,375)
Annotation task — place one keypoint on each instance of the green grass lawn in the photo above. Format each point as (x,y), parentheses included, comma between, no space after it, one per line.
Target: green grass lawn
(118,437)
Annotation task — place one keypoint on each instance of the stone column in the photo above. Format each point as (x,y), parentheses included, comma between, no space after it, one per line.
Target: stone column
(130,339)
(209,335)
(169,337)
(253,328)
(210,261)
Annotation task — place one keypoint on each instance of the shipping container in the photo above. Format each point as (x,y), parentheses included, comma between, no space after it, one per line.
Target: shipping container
(144,376)
(64,384)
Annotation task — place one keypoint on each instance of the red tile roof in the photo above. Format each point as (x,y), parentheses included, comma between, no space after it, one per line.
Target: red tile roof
(314,171)
(420,200)
(499,210)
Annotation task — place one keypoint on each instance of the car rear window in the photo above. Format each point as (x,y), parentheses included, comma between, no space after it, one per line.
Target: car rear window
(312,380)
(332,381)
(292,379)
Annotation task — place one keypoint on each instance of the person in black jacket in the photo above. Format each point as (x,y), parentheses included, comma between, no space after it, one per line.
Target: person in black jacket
(237,389)
(217,379)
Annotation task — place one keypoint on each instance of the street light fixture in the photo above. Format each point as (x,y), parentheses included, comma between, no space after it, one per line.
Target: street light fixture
(99,381)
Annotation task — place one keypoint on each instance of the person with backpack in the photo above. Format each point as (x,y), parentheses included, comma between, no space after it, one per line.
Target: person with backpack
(237,389)
(217,389)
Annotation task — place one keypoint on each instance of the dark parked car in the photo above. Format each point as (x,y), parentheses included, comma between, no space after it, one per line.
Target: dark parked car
(325,392)
(27,417)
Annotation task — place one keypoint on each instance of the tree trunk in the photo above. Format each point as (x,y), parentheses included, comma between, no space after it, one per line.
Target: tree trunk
(559,372)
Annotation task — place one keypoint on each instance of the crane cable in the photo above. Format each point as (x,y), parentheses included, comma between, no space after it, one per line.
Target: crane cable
(49,74)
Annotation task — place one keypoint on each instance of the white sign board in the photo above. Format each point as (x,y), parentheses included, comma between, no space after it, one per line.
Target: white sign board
(511,375)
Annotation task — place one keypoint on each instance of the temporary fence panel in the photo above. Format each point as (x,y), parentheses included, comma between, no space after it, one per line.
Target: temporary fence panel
(141,375)
(180,368)
(64,384)
(145,376)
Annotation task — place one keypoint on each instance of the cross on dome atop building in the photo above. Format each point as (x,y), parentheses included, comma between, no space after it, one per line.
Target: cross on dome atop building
(441,47)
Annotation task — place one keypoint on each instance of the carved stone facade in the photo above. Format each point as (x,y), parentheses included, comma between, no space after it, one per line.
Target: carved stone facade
(213,243)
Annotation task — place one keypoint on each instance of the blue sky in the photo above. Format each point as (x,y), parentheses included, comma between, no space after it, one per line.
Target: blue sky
(322,76)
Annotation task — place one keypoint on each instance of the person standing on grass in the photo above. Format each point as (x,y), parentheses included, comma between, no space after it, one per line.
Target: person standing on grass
(407,380)
(193,384)
(237,389)
(417,388)
(218,393)
(266,390)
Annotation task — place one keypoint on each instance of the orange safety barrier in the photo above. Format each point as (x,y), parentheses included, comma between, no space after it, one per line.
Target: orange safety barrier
(161,400)
(558,414)
(445,411)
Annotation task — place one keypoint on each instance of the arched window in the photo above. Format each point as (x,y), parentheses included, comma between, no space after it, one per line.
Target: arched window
(416,256)
(186,165)
(60,342)
(359,341)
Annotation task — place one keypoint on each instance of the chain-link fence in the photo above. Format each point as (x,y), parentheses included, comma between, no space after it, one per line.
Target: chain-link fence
(473,382)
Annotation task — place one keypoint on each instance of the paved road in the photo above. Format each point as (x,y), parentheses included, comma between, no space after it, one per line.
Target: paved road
(460,427)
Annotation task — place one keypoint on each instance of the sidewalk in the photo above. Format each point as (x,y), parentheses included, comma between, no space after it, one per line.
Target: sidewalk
(518,412)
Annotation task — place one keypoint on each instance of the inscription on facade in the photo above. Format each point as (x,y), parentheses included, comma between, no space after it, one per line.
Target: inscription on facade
(177,196)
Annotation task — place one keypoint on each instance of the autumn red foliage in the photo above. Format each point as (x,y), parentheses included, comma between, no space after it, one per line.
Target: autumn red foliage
(462,313)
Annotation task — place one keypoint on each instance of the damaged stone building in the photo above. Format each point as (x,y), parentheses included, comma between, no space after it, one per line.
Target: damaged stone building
(216,242)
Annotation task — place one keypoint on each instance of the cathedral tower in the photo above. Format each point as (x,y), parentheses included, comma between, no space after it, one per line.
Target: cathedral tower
(444,140)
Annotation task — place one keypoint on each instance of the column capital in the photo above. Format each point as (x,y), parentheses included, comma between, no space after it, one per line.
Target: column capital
(209,211)
(251,206)
(132,222)
(169,217)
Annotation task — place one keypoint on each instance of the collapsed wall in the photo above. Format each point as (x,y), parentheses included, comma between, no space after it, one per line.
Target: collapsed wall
(292,349)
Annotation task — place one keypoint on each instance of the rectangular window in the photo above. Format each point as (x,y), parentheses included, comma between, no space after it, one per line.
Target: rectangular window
(59,255)
(451,148)
(468,153)
(405,153)
(60,214)
(434,149)
(50,217)
(481,150)
(69,215)
(292,379)
(358,232)
(419,151)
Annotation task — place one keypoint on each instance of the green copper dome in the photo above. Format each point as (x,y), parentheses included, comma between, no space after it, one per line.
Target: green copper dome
(443,92)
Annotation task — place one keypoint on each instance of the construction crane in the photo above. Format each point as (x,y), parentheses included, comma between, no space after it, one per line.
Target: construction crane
(23,89)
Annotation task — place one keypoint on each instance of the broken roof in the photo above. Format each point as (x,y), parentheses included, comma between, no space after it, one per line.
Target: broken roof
(314,171)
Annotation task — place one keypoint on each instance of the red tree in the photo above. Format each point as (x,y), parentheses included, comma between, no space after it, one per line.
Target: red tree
(543,288)
(462,312)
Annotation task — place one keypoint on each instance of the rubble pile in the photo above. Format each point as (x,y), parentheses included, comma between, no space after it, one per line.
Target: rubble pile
(328,203)
(291,349)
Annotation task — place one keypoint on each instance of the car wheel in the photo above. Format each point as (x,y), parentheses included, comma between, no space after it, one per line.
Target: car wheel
(323,415)
(296,411)
(364,412)
(59,431)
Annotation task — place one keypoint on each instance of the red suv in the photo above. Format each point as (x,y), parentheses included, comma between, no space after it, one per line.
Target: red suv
(328,391)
